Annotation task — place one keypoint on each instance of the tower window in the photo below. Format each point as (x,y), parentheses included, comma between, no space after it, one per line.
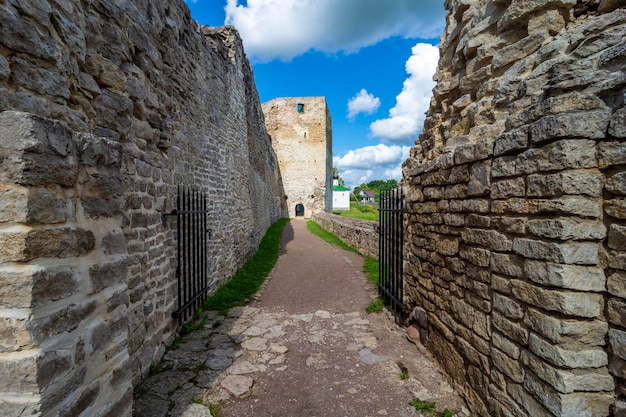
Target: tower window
(300,107)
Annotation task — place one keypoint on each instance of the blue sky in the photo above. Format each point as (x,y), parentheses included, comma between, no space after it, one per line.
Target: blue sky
(373,60)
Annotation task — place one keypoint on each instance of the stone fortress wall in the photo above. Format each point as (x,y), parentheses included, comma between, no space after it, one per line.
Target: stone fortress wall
(106,108)
(301,133)
(515,261)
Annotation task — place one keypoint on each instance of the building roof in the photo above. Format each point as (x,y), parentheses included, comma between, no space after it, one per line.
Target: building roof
(340,188)
(369,194)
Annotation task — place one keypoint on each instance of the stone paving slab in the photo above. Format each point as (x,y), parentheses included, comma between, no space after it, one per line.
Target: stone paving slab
(287,357)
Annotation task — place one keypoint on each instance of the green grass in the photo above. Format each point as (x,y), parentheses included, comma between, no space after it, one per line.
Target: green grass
(375,306)
(247,281)
(370,267)
(326,236)
(359,211)
(425,406)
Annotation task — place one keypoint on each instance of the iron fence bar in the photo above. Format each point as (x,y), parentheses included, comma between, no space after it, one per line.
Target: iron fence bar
(192,262)
(391,240)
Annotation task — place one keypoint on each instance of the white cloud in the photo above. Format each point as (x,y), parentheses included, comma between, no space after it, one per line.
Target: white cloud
(363,102)
(378,162)
(284,29)
(406,118)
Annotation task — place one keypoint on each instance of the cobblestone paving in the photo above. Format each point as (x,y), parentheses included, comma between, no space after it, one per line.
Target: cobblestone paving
(351,362)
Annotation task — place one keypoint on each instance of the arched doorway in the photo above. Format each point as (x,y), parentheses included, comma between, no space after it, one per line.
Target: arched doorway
(299,210)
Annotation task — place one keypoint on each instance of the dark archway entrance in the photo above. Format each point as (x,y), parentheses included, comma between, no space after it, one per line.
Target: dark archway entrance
(299,210)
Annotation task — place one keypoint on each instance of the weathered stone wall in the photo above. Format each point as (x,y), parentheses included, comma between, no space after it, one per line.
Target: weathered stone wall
(361,235)
(106,108)
(303,144)
(516,226)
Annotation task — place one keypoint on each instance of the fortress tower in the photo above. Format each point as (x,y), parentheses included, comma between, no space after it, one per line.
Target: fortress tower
(300,129)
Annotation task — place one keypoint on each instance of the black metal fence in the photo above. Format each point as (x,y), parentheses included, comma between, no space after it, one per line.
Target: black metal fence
(390,245)
(192,237)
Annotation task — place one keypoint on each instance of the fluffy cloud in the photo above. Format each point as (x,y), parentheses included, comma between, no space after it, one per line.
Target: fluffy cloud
(363,102)
(284,29)
(406,118)
(378,162)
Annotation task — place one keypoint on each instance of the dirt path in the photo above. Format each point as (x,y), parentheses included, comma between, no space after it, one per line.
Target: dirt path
(304,348)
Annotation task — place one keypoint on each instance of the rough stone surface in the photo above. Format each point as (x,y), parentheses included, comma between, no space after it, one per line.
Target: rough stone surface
(537,282)
(102,118)
(361,235)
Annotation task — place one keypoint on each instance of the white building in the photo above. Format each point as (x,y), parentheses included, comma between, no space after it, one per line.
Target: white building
(341,196)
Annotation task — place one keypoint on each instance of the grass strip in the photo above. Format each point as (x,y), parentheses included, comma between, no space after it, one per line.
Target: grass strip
(248,279)
(326,236)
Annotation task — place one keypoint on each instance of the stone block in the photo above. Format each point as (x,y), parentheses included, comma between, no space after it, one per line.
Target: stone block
(471,152)
(489,238)
(503,166)
(611,153)
(569,205)
(66,319)
(14,335)
(515,225)
(551,20)
(470,317)
(114,243)
(511,329)
(477,256)
(507,346)
(564,331)
(616,183)
(106,72)
(555,156)
(57,243)
(513,140)
(617,237)
(616,284)
(12,246)
(589,125)
(13,203)
(563,183)
(527,401)
(107,274)
(508,366)
(568,381)
(617,124)
(471,355)
(574,404)
(54,366)
(448,357)
(616,311)
(581,253)
(81,402)
(19,374)
(504,263)
(566,276)
(46,206)
(570,355)
(501,284)
(52,284)
(507,306)
(16,287)
(513,187)
(519,50)
(568,228)
(480,179)
(565,302)
(469,206)
(617,340)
